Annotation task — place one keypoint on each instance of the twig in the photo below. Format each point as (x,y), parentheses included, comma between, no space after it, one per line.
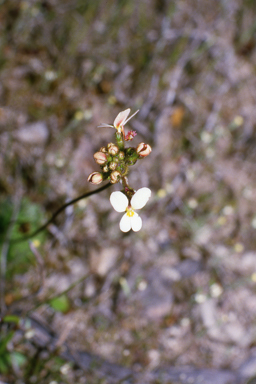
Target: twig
(47,301)
(178,71)
(213,116)
(40,262)
(144,112)
(43,227)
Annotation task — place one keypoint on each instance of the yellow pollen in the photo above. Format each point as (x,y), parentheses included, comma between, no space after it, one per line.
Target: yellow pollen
(130,212)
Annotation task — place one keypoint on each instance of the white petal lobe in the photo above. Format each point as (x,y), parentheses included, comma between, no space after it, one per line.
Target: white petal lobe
(121,117)
(119,201)
(135,113)
(136,222)
(140,199)
(103,125)
(125,223)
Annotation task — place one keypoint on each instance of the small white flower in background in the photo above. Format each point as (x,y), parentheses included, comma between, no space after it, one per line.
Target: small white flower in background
(131,219)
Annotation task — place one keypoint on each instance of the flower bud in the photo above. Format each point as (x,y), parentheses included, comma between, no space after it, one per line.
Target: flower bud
(113,150)
(100,158)
(103,149)
(95,178)
(143,150)
(110,145)
(130,135)
(121,155)
(113,165)
(105,168)
(131,161)
(115,177)
(131,156)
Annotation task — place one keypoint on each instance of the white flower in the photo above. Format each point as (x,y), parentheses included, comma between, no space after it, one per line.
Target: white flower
(120,120)
(131,219)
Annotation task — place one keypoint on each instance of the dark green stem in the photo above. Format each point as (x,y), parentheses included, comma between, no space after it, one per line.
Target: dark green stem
(40,229)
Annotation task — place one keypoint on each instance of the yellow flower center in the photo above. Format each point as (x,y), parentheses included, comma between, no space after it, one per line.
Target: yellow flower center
(129,212)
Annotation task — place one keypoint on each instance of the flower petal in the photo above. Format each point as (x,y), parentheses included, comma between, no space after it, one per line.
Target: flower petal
(135,113)
(136,222)
(125,223)
(119,201)
(121,117)
(140,199)
(103,125)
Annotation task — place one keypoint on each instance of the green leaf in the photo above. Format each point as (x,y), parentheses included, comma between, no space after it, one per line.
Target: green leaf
(60,304)
(18,359)
(11,319)
(4,366)
(30,217)
(4,342)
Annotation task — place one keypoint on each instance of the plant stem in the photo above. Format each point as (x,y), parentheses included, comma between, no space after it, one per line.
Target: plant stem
(43,227)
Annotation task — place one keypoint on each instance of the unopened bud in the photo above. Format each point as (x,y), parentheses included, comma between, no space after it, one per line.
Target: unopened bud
(103,149)
(121,155)
(113,150)
(131,161)
(130,135)
(115,177)
(110,145)
(95,178)
(100,158)
(143,150)
(105,168)
(113,165)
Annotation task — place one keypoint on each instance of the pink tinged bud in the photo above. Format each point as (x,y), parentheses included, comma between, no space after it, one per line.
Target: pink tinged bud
(95,178)
(113,150)
(143,150)
(130,135)
(113,165)
(105,168)
(121,155)
(103,149)
(100,158)
(115,177)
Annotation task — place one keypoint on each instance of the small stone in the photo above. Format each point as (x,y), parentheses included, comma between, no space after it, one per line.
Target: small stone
(238,120)
(238,247)
(208,313)
(142,285)
(216,290)
(200,298)
(102,262)
(154,357)
(33,134)
(237,334)
(248,368)
(192,203)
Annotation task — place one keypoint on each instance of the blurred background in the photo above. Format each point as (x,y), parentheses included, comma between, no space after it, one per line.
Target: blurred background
(84,302)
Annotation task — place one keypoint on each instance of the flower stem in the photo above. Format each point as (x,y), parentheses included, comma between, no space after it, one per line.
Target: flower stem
(40,229)
(120,140)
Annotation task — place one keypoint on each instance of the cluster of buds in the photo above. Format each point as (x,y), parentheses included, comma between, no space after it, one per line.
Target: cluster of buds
(115,159)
